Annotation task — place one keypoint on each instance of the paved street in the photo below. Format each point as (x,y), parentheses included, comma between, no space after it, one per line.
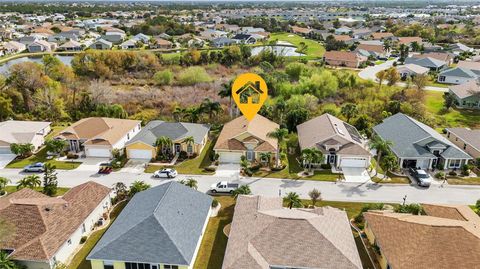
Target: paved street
(362,192)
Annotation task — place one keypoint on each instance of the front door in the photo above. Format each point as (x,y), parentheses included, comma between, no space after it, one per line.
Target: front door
(178,148)
(434,163)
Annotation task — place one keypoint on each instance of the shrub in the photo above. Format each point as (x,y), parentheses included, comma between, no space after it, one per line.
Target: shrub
(183,155)
(415,209)
(279,168)
(83,239)
(2,192)
(214,203)
(452,173)
(440,175)
(255,167)
(249,172)
(193,75)
(193,155)
(164,77)
(326,166)
(72,156)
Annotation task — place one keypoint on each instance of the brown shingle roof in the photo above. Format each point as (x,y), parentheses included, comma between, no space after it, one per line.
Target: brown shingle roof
(368,47)
(409,39)
(258,128)
(103,131)
(42,224)
(264,233)
(466,89)
(439,240)
(347,56)
(471,137)
(382,35)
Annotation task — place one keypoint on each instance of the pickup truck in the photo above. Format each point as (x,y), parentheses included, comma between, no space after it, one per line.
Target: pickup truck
(223,186)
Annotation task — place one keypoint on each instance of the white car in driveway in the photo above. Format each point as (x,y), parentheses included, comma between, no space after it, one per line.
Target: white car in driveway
(165,173)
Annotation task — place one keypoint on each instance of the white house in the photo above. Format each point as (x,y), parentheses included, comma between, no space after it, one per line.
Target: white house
(22,132)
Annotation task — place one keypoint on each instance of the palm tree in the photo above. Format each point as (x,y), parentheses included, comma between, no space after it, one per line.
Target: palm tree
(189,141)
(137,186)
(315,196)
(179,113)
(193,114)
(3,182)
(279,134)
(349,110)
(242,190)
(164,143)
(266,156)
(382,146)
(389,162)
(311,156)
(190,182)
(292,200)
(31,181)
(381,77)
(5,262)
(212,108)
(227,92)
(121,190)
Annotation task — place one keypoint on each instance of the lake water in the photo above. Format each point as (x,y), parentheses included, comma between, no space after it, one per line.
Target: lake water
(66,59)
(278,50)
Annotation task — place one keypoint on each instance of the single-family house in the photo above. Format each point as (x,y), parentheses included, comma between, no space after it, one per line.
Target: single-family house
(376,50)
(362,33)
(114,38)
(344,58)
(452,230)
(382,36)
(244,39)
(142,37)
(160,43)
(428,62)
(222,42)
(97,137)
(458,75)
(441,56)
(341,143)
(408,40)
(48,230)
(459,48)
(14,47)
(41,46)
(418,145)
(210,34)
(345,39)
(300,30)
(467,95)
(466,138)
(343,31)
(22,132)
(241,137)
(195,42)
(265,235)
(70,46)
(160,228)
(27,40)
(143,145)
(411,70)
(129,44)
(469,65)
(101,44)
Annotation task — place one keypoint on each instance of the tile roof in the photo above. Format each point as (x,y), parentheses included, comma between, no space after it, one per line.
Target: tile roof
(264,234)
(471,137)
(176,131)
(322,129)
(98,130)
(13,131)
(160,225)
(448,237)
(258,127)
(42,224)
(466,89)
(410,136)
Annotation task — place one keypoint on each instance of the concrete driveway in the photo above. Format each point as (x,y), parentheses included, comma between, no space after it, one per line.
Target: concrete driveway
(135,166)
(228,170)
(355,174)
(91,164)
(6,159)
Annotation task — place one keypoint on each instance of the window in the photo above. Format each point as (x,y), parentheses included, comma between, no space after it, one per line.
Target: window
(464,146)
(167,266)
(83,228)
(441,78)
(189,148)
(69,241)
(454,163)
(132,265)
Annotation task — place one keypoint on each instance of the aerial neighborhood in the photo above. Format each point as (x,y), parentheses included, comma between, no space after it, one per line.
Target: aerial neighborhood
(127,139)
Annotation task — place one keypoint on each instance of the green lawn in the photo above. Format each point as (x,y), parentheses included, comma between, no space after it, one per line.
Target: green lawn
(393,179)
(214,242)
(463,181)
(60,191)
(191,166)
(454,117)
(41,156)
(79,260)
(314,49)
(293,168)
(379,62)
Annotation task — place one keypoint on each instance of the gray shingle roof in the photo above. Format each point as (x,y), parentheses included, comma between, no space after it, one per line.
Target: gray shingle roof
(160,225)
(459,72)
(425,62)
(410,136)
(173,130)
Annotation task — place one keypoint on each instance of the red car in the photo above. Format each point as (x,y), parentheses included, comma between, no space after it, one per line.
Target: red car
(105,168)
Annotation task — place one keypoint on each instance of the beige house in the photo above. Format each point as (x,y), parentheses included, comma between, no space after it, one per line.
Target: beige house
(344,58)
(97,137)
(265,235)
(448,236)
(467,139)
(241,137)
(22,132)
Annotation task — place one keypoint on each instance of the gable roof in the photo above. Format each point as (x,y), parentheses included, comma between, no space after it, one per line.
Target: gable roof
(447,237)
(441,56)
(459,72)
(264,234)
(348,56)
(42,224)
(425,62)
(258,127)
(469,65)
(160,225)
(13,131)
(471,137)
(417,69)
(466,89)
(406,133)
(325,128)
(409,39)
(99,130)
(173,130)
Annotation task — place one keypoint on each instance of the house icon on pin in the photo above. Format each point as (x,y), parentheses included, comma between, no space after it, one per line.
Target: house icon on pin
(250,93)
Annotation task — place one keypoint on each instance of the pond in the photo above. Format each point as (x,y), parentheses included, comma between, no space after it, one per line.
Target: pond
(278,50)
(66,59)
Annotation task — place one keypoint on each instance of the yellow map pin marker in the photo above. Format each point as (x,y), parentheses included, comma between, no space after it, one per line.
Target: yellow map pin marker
(249,91)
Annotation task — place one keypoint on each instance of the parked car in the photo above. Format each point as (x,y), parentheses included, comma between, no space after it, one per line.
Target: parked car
(165,173)
(35,167)
(423,178)
(224,187)
(105,168)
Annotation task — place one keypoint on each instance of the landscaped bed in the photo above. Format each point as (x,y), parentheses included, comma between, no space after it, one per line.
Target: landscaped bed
(60,191)
(41,156)
(392,178)
(463,180)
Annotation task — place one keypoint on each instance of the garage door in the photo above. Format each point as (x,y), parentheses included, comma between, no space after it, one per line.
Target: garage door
(230,157)
(353,162)
(98,153)
(5,150)
(140,154)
